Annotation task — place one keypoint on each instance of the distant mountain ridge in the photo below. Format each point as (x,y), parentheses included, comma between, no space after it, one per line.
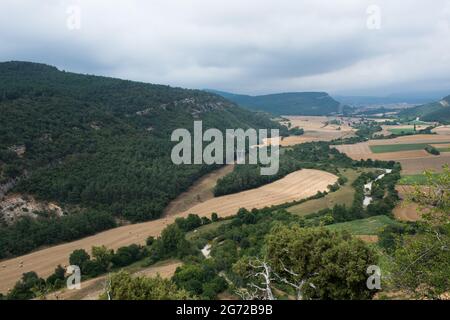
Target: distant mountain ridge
(435,111)
(290,103)
(411,98)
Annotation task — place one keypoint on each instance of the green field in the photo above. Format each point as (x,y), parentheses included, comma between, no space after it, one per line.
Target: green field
(368,226)
(208,227)
(402,131)
(443,149)
(401,147)
(398,147)
(344,195)
(414,179)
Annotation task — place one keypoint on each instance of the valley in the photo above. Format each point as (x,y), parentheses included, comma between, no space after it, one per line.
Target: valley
(118,190)
(188,151)
(296,186)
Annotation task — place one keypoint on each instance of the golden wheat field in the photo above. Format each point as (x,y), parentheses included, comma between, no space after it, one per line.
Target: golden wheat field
(298,185)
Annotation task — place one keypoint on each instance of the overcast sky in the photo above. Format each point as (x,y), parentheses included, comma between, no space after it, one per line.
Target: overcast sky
(245,46)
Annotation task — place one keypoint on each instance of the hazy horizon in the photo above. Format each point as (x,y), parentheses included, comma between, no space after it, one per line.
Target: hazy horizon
(348,47)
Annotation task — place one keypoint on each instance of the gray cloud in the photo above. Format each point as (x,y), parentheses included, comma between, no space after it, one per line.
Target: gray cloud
(243,46)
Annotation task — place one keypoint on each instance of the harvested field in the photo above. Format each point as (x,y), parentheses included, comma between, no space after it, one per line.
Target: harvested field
(419,165)
(317,129)
(201,191)
(328,135)
(356,151)
(406,211)
(401,155)
(295,186)
(315,123)
(442,130)
(363,151)
(413,161)
(92,288)
(441,145)
(165,270)
(344,195)
(45,261)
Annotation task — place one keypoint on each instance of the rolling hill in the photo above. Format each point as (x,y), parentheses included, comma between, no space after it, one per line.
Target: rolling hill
(294,103)
(435,111)
(97,146)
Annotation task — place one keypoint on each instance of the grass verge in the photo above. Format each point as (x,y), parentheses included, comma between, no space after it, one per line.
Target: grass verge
(368,226)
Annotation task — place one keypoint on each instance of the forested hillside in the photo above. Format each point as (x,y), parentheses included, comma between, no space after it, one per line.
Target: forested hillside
(436,111)
(294,103)
(101,143)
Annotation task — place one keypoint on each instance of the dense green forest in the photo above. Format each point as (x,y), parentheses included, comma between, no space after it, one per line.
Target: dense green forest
(292,103)
(28,233)
(100,143)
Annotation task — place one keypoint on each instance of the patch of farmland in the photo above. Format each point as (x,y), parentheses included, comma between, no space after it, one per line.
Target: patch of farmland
(413,179)
(397,147)
(199,192)
(419,165)
(318,123)
(344,195)
(363,151)
(401,155)
(417,138)
(319,129)
(355,151)
(406,211)
(295,186)
(413,161)
(403,129)
(442,130)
